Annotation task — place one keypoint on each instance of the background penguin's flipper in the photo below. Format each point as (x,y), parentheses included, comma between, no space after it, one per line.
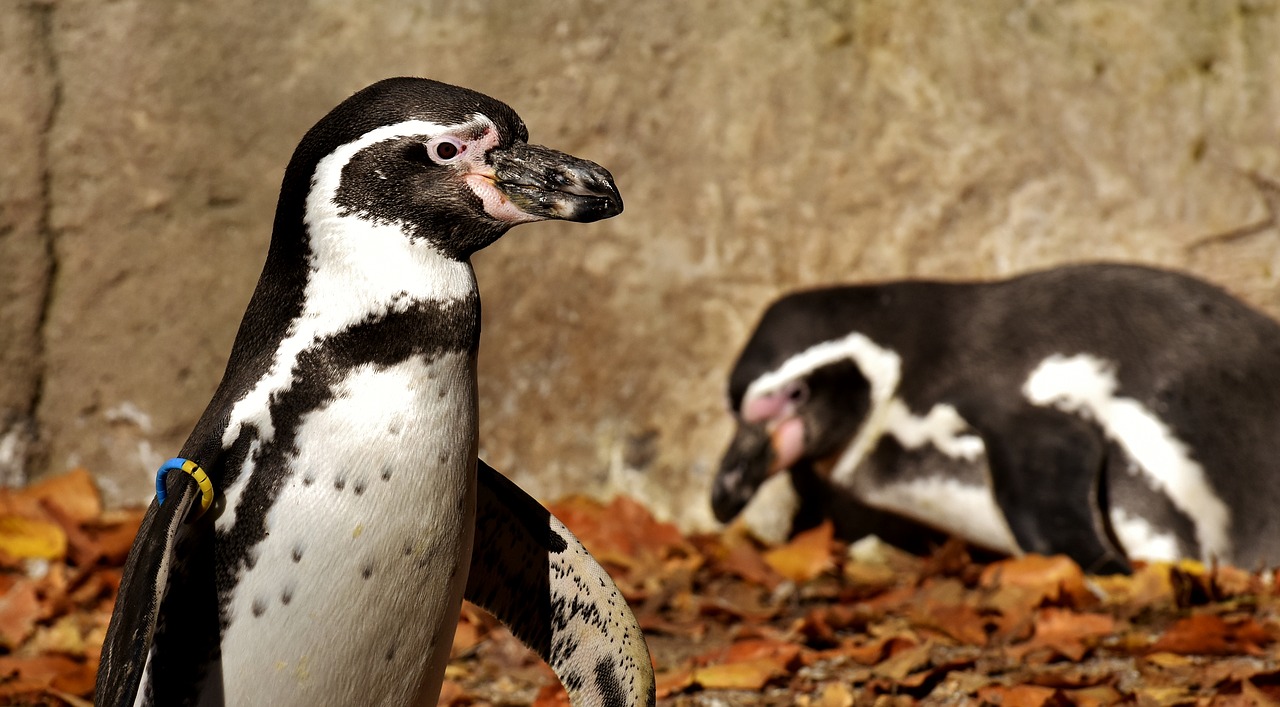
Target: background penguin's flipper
(530,572)
(1047,473)
(146,572)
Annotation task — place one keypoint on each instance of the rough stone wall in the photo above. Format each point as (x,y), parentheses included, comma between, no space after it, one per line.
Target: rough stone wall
(759,146)
(30,91)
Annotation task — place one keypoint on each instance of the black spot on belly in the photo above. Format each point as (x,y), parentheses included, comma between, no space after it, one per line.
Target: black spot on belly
(391,654)
(286,596)
(408,549)
(339,483)
(386,473)
(393,429)
(259,607)
(442,392)
(444,457)
(358,487)
(297,553)
(367,571)
(308,480)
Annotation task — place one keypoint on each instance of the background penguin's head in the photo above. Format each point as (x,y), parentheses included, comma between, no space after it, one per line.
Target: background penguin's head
(791,406)
(441,163)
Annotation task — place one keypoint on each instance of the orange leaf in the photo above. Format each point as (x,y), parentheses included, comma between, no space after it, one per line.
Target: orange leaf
(43,669)
(1056,579)
(1207,634)
(963,623)
(676,681)
(905,662)
(834,694)
(870,652)
(73,494)
(1150,584)
(1068,632)
(806,556)
(745,561)
(19,610)
(623,532)
(451,693)
(746,675)
(465,637)
(943,604)
(113,534)
(783,652)
(1096,696)
(1016,695)
(77,679)
(552,695)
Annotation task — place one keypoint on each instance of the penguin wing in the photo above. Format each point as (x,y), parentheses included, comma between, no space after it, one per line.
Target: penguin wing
(530,572)
(1048,477)
(142,586)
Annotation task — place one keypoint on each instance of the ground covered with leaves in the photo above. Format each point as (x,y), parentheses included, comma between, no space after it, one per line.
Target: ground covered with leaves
(814,622)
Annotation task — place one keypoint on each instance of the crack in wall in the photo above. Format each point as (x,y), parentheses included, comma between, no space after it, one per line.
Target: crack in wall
(48,57)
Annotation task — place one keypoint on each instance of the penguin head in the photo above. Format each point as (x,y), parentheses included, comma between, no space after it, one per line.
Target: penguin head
(808,418)
(444,164)
(799,392)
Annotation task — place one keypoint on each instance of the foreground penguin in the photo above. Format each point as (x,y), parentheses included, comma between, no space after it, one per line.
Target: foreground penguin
(1107,412)
(337,459)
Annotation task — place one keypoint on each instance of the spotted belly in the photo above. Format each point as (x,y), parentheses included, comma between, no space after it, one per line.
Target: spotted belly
(353,594)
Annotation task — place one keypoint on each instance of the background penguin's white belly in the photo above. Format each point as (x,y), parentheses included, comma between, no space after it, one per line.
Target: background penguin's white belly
(967,510)
(356,587)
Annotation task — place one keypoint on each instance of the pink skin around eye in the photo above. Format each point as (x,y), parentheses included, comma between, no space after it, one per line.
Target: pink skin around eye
(765,407)
(480,179)
(786,431)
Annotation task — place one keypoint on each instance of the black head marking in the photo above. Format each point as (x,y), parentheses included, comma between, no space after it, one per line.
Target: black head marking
(790,325)
(838,402)
(396,180)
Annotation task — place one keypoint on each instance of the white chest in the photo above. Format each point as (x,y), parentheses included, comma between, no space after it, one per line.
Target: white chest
(967,510)
(352,597)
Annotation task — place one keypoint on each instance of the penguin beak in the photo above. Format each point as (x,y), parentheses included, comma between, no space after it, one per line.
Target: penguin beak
(543,183)
(746,464)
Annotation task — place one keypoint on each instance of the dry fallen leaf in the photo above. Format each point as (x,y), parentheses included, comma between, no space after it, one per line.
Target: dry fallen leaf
(29,538)
(902,662)
(19,609)
(742,625)
(744,675)
(1053,579)
(1209,634)
(73,494)
(806,556)
(835,694)
(1068,633)
(1017,695)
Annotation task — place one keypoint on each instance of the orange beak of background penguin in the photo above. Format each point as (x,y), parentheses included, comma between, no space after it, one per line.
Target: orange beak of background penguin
(523,183)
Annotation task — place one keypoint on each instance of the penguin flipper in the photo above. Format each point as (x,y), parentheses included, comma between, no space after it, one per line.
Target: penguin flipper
(1047,474)
(142,587)
(531,573)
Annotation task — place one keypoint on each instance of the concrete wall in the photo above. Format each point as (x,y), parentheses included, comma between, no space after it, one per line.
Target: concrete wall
(759,146)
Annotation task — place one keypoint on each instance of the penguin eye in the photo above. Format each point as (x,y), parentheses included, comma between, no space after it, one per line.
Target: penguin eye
(797,392)
(445,149)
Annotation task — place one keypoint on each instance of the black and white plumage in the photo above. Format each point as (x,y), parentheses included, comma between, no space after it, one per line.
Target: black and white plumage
(1108,412)
(342,441)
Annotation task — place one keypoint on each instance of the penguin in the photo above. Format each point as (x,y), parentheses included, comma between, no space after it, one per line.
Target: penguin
(314,540)
(1109,412)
